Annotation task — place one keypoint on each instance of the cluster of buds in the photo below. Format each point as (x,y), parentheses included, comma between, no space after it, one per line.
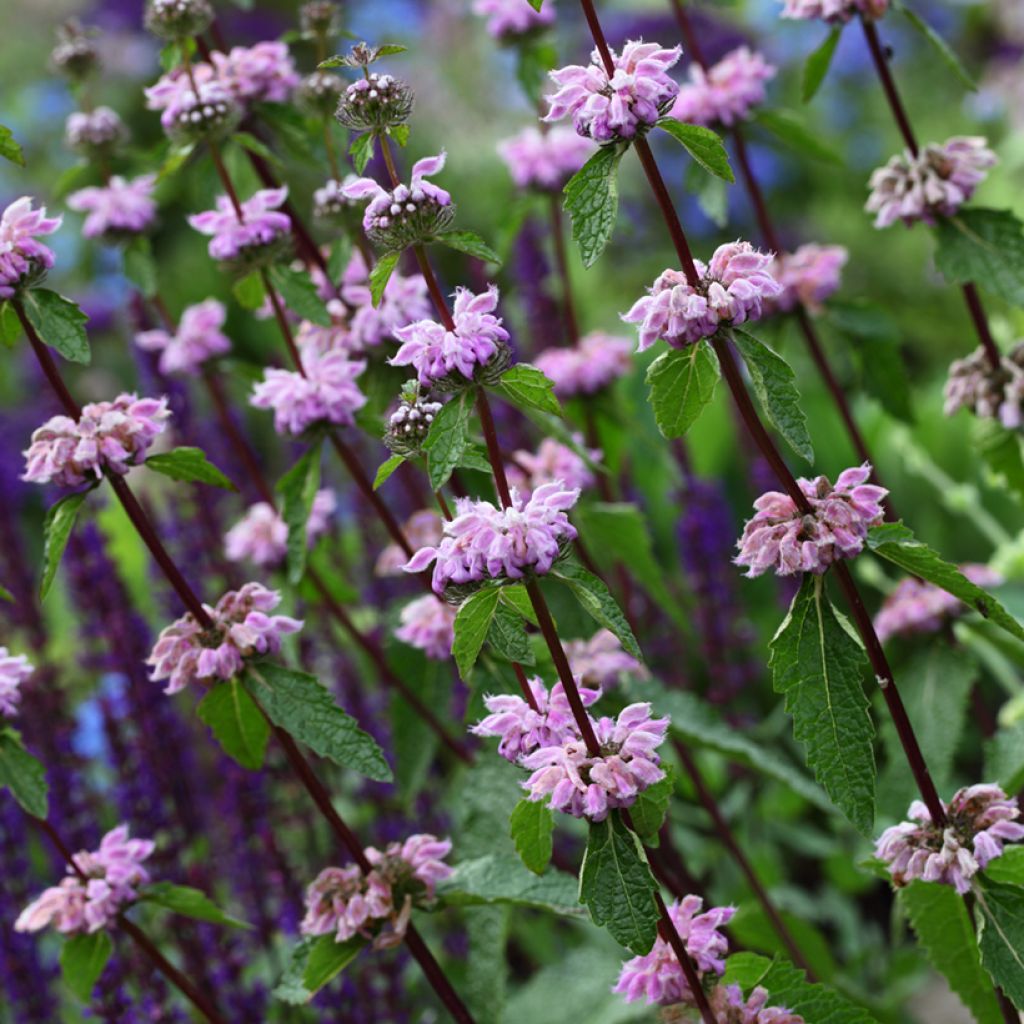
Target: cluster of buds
(409,424)
(990,393)
(374,103)
(318,93)
(330,204)
(75,54)
(319,19)
(210,113)
(94,133)
(178,19)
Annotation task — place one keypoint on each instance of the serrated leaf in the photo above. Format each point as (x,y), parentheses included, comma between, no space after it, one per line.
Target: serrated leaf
(494,880)
(385,469)
(400,133)
(299,294)
(819,667)
(446,440)
(597,601)
(817,65)
(1008,869)
(236,722)
(82,960)
(592,200)
(682,383)
(22,774)
(507,636)
(249,291)
(140,267)
(775,386)
(617,886)
(57,527)
(703,144)
(1004,757)
(941,47)
(470,243)
(790,130)
(189,902)
(302,706)
(361,151)
(472,624)
(531,827)
(9,148)
(515,596)
(190,464)
(59,322)
(315,961)
(528,388)
(648,813)
(1000,914)
(381,274)
(984,246)
(298,489)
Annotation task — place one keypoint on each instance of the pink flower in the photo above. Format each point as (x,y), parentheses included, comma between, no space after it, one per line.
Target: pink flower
(835,11)
(22,256)
(730,1007)
(545,160)
(345,902)
(99,128)
(14,670)
(808,276)
(405,301)
(330,200)
(936,182)
(507,18)
(428,624)
(422,529)
(726,92)
(552,461)
(263,73)
(197,339)
(261,535)
(435,352)
(990,394)
(608,109)
(259,227)
(656,977)
(980,819)
(118,209)
(732,290)
(592,365)
(188,113)
(314,338)
(326,393)
(483,541)
(419,857)
(601,661)
(778,537)
(109,437)
(242,628)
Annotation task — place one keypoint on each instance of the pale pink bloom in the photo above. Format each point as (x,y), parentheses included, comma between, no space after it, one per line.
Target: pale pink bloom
(93,129)
(347,903)
(507,18)
(630,101)
(263,73)
(261,535)
(261,224)
(733,289)
(109,437)
(184,110)
(118,209)
(836,11)
(197,339)
(808,276)
(315,338)
(420,856)
(552,461)
(601,661)
(422,529)
(778,537)
(428,624)
(996,394)
(545,160)
(598,360)
(484,541)
(405,301)
(14,670)
(980,819)
(730,1007)
(726,92)
(242,628)
(22,255)
(330,200)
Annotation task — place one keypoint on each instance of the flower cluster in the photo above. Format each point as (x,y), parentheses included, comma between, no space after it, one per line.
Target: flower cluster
(428,624)
(344,902)
(249,236)
(113,876)
(545,160)
(242,628)
(117,210)
(178,19)
(616,107)
(409,424)
(330,201)
(318,93)
(730,1007)
(601,661)
(14,670)
(374,103)
(263,73)
(261,535)
(552,461)
(733,289)
(75,54)
(508,19)
(421,529)
(23,258)
(485,542)
(95,131)
(807,276)
(726,92)
(835,11)
(979,820)
(594,363)
(194,108)
(405,300)
(108,437)
(989,393)
(197,339)
(935,182)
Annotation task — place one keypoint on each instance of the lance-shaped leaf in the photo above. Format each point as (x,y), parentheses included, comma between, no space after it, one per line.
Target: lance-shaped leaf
(682,383)
(189,464)
(597,601)
(704,145)
(531,827)
(314,962)
(492,879)
(507,635)
(9,148)
(1000,915)
(22,774)
(385,469)
(817,65)
(447,439)
(299,294)
(472,624)
(819,666)
(59,322)
(298,489)
(381,274)
(985,246)
(57,527)
(237,723)
(527,387)
(361,151)
(941,47)
(189,902)
(592,200)
(82,960)
(469,243)
(249,291)
(789,128)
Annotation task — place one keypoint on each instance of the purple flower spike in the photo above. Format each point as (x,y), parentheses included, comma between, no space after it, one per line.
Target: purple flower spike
(595,363)
(261,536)
(118,209)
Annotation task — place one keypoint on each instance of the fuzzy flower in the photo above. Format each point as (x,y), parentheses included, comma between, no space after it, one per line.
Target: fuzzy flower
(483,541)
(197,339)
(178,19)
(418,861)
(23,258)
(193,108)
(261,535)
(428,624)
(375,103)
(834,11)
(598,360)
(247,238)
(989,394)
(552,461)
(656,977)
(808,276)
(726,92)
(263,73)
(980,819)
(94,131)
(733,289)
(507,19)
(778,537)
(118,209)
(730,1007)
(109,437)
(545,160)
(114,874)
(405,301)
(410,423)
(14,670)
(422,529)
(242,628)
(330,201)
(601,661)
(345,902)
(936,182)
(438,355)
(326,393)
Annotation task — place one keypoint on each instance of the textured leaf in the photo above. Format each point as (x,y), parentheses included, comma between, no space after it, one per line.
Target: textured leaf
(985,246)
(592,200)
(819,666)
(249,291)
(299,294)
(1004,757)
(447,439)
(315,961)
(189,464)
(139,265)
(941,47)
(361,151)
(472,624)
(1009,868)
(381,274)
(298,489)
(82,960)
(1003,453)
(59,322)
(515,596)
(236,722)
(1000,915)
(302,706)
(507,635)
(531,827)
(385,469)
(484,986)
(648,813)
(57,527)
(682,382)
(704,145)
(818,63)
(527,387)
(492,879)
(596,600)
(189,902)
(790,130)
(9,148)
(400,133)
(470,243)
(22,774)
(10,325)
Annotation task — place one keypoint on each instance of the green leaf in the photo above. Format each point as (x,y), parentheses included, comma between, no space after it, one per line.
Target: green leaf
(469,243)
(515,596)
(528,388)
(387,49)
(189,902)
(361,151)
(535,57)
(704,145)
(1009,868)
(176,158)
(711,193)
(413,740)
(400,133)
(140,267)
(6,595)
(9,148)
(536,4)
(790,130)
(60,323)
(299,294)
(941,47)
(819,666)
(10,325)
(682,383)
(1000,913)
(472,624)
(592,200)
(1003,453)
(57,527)
(1004,757)
(531,827)
(249,291)
(648,813)
(302,706)
(385,469)
(447,439)
(775,386)
(895,542)
(944,930)
(493,880)
(818,63)
(337,61)
(237,723)
(189,464)
(298,489)
(248,141)
(315,961)
(82,960)
(617,886)
(381,274)
(507,635)
(22,774)
(341,253)
(596,600)
(985,246)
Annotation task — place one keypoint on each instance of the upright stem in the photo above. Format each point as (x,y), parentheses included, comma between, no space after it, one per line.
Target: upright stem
(483,406)
(572,327)
(670,934)
(281,317)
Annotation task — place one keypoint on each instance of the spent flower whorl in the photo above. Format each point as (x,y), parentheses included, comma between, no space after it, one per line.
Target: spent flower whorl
(251,240)
(808,276)
(428,624)
(75,54)
(14,670)
(242,628)
(318,93)
(197,339)
(726,92)
(779,537)
(545,161)
(95,132)
(409,424)
(513,19)
(834,11)
(118,210)
(209,111)
(178,19)
(980,819)
(24,260)
(261,535)
(994,394)
(596,362)
(375,103)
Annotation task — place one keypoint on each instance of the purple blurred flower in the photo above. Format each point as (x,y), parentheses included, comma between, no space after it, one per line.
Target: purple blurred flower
(118,209)
(23,258)
(509,18)
(601,661)
(726,92)
(14,670)
(598,360)
(990,394)
(428,624)
(730,1007)
(261,535)
(405,301)
(264,73)
(545,160)
(552,461)
(238,238)
(197,339)
(808,276)
(422,529)
(836,11)
(95,130)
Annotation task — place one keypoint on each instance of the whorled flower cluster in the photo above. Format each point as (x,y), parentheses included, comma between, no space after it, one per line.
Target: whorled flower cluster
(329,201)
(422,529)
(109,437)
(194,108)
(779,537)
(428,624)
(117,210)
(730,1007)
(375,103)
(251,237)
(318,93)
(197,339)
(835,11)
(733,289)
(261,535)
(405,300)
(509,19)
(980,819)
(24,260)
(545,160)
(808,276)
(601,662)
(726,92)
(95,131)
(410,423)
(242,628)
(594,363)
(14,670)
(178,19)
(552,461)
(991,394)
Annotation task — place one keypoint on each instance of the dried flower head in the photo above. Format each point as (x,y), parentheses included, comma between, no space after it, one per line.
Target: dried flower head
(989,393)
(14,670)
(75,54)
(24,260)
(178,19)
(726,92)
(375,103)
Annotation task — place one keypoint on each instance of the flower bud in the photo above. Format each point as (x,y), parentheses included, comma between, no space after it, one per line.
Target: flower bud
(318,94)
(178,19)
(410,422)
(375,102)
(210,115)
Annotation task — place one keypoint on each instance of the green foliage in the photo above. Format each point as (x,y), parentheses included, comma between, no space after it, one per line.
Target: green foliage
(704,145)
(82,960)
(651,807)
(298,489)
(9,148)
(818,63)
(470,243)
(1003,453)
(1000,914)
(535,57)
(682,383)
(189,902)
(507,635)
(140,267)
(57,527)
(189,464)
(597,601)
(447,439)
(492,879)
(22,774)
(526,387)
(531,827)
(299,293)
(986,247)
(941,47)
(236,722)
(249,291)
(592,200)
(361,151)
(315,961)
(59,322)
(1004,757)
(10,325)
(788,127)
(385,469)
(381,273)
(472,624)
